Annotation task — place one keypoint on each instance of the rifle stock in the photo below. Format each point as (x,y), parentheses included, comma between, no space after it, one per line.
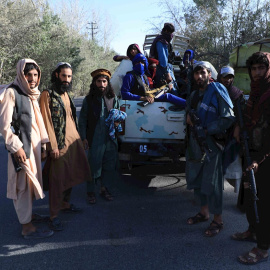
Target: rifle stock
(157,95)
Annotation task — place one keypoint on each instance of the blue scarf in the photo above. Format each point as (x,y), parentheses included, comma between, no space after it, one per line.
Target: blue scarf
(208,110)
(115,115)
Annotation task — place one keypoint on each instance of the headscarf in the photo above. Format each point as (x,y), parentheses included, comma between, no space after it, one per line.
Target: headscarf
(115,115)
(140,58)
(191,56)
(132,46)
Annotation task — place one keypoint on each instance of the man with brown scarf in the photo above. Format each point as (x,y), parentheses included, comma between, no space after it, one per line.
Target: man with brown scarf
(25,136)
(257,119)
(67,163)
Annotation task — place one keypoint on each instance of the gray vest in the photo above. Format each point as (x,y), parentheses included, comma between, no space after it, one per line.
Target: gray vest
(22,119)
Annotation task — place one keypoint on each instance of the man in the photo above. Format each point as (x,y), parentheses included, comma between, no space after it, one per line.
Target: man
(161,49)
(234,167)
(95,134)
(205,139)
(136,86)
(257,118)
(25,137)
(67,163)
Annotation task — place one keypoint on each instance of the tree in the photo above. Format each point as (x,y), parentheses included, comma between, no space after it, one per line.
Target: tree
(215,27)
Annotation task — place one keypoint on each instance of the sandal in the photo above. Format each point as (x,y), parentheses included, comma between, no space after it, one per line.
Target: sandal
(196,219)
(253,257)
(213,229)
(105,194)
(91,197)
(245,236)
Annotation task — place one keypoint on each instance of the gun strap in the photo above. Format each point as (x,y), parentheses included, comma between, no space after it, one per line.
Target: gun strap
(196,98)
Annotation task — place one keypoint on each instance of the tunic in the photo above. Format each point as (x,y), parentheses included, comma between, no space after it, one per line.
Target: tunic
(26,184)
(103,152)
(72,167)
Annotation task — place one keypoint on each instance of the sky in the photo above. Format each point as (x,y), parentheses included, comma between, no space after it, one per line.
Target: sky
(130,19)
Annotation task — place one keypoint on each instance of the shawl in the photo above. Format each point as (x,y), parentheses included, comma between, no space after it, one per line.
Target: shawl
(115,115)
(131,46)
(209,105)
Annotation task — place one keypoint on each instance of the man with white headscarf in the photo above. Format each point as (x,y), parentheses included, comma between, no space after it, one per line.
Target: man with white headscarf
(66,163)
(25,136)
(212,108)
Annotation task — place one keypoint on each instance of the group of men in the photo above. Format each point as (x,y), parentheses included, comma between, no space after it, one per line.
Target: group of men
(212,120)
(54,135)
(37,127)
(217,108)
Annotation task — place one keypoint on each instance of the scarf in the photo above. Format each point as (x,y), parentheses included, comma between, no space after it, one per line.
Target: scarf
(208,110)
(115,115)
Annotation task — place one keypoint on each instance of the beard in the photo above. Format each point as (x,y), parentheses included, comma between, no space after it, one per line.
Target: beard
(202,84)
(100,91)
(61,87)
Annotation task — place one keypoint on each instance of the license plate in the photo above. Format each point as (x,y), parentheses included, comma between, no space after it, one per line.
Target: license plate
(143,148)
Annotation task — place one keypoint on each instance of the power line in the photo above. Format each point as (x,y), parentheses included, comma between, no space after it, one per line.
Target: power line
(92,28)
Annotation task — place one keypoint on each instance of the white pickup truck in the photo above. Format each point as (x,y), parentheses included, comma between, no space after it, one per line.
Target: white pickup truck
(153,131)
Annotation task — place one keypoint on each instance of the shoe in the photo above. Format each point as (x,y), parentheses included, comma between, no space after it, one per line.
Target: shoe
(213,229)
(106,195)
(199,217)
(72,209)
(37,218)
(56,224)
(245,236)
(38,234)
(253,257)
(91,197)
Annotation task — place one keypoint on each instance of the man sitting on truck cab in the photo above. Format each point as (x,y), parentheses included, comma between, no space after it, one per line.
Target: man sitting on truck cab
(136,85)
(161,49)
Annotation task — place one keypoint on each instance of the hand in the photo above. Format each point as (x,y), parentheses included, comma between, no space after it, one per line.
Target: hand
(116,124)
(168,78)
(254,166)
(54,154)
(148,99)
(170,87)
(85,144)
(20,155)
(189,122)
(43,155)
(236,133)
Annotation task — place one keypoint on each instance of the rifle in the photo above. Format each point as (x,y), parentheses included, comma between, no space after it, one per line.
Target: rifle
(199,134)
(244,141)
(156,95)
(16,165)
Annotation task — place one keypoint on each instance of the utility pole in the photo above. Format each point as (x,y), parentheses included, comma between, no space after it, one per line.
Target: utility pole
(92,28)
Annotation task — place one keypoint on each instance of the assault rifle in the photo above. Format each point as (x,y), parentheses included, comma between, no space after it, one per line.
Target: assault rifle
(16,165)
(199,134)
(244,142)
(157,94)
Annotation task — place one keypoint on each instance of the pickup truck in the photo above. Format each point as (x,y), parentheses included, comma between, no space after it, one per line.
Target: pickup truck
(153,132)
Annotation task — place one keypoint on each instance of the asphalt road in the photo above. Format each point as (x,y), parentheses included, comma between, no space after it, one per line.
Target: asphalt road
(143,228)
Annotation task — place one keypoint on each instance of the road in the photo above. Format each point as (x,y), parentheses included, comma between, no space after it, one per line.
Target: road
(143,228)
